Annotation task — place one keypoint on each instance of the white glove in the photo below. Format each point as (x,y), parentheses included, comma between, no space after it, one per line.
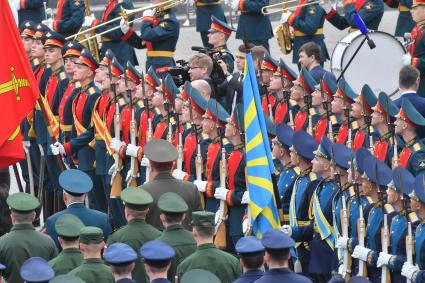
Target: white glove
(244,225)
(57,148)
(287,229)
(112,169)
(145,162)
(383,259)
(327,6)
(88,21)
(124,26)
(360,253)
(179,174)
(285,16)
(131,150)
(148,13)
(220,193)
(245,198)
(48,23)
(406,59)
(201,185)
(408,270)
(116,144)
(234,5)
(17,4)
(26,145)
(342,243)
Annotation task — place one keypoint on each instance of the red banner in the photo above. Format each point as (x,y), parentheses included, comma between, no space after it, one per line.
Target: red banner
(18,87)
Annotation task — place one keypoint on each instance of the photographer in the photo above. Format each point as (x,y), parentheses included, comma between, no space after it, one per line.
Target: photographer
(218,35)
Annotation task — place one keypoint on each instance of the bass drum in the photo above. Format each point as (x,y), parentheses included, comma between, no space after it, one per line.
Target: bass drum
(378,67)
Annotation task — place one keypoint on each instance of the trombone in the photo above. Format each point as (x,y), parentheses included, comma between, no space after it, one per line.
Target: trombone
(282,9)
(126,14)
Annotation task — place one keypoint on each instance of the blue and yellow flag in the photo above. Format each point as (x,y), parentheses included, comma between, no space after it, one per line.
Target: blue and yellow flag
(259,160)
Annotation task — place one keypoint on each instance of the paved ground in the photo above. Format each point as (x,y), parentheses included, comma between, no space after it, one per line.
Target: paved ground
(189,37)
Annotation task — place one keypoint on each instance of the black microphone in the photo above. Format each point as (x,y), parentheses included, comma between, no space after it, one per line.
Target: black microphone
(363,29)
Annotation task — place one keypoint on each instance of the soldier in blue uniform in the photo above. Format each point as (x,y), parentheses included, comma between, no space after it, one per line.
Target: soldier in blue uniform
(114,40)
(302,154)
(412,157)
(76,184)
(396,255)
(289,172)
(218,35)
(253,26)
(69,17)
(277,245)
(157,256)
(307,21)
(121,258)
(416,271)
(371,12)
(159,34)
(251,252)
(376,178)
(30,10)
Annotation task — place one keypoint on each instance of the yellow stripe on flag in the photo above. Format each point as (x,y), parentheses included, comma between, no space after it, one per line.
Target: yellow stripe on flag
(257,140)
(262,161)
(261,182)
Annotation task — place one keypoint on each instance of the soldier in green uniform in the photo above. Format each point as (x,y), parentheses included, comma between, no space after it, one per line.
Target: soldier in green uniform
(66,279)
(207,255)
(36,269)
(92,269)
(173,210)
(23,240)
(68,229)
(157,256)
(137,231)
(121,258)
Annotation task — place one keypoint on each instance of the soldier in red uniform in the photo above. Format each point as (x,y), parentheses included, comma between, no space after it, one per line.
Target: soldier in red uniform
(268,99)
(301,92)
(69,17)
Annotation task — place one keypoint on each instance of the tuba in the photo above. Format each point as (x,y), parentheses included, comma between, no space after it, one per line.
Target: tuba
(284,38)
(87,39)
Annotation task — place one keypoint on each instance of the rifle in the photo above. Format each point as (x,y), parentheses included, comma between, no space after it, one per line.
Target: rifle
(326,105)
(198,160)
(134,169)
(347,110)
(308,101)
(220,239)
(116,178)
(286,99)
(391,129)
(167,106)
(409,237)
(344,220)
(30,171)
(179,139)
(360,221)
(385,273)
(149,130)
(264,88)
(368,120)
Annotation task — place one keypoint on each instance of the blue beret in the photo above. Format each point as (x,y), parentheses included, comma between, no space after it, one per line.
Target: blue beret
(157,251)
(249,244)
(342,155)
(361,155)
(324,150)
(403,179)
(119,253)
(304,144)
(36,269)
(75,181)
(419,192)
(376,169)
(275,239)
(284,135)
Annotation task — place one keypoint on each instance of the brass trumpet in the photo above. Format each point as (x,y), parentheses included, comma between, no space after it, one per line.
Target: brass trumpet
(127,13)
(282,9)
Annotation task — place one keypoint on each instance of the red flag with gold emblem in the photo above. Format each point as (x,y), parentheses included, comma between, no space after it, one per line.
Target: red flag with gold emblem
(18,88)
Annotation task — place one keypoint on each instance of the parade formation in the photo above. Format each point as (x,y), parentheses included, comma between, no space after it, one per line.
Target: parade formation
(228,166)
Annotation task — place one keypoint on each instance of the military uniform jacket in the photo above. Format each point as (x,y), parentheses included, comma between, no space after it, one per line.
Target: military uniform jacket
(412,157)
(285,185)
(183,243)
(419,276)
(405,23)
(115,40)
(361,138)
(307,22)
(89,217)
(208,257)
(249,276)
(282,275)
(69,17)
(252,23)
(135,234)
(163,183)
(204,10)
(21,243)
(93,270)
(370,11)
(32,10)
(190,152)
(417,50)
(65,110)
(66,261)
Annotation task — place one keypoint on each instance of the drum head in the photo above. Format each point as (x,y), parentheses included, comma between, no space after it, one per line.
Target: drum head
(378,67)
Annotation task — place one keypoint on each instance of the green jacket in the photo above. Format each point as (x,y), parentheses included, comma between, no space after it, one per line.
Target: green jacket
(135,234)
(21,243)
(208,257)
(182,242)
(66,261)
(93,270)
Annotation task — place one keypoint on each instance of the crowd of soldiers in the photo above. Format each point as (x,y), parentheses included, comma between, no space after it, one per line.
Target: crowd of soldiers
(145,172)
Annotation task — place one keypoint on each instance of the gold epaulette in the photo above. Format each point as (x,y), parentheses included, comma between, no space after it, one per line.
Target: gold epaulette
(292,102)
(389,208)
(226,141)
(297,170)
(91,90)
(351,191)
(141,104)
(354,125)
(413,217)
(205,136)
(369,199)
(416,147)
(166,16)
(77,84)
(62,76)
(121,101)
(313,111)
(313,176)
(333,119)
(156,111)
(172,121)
